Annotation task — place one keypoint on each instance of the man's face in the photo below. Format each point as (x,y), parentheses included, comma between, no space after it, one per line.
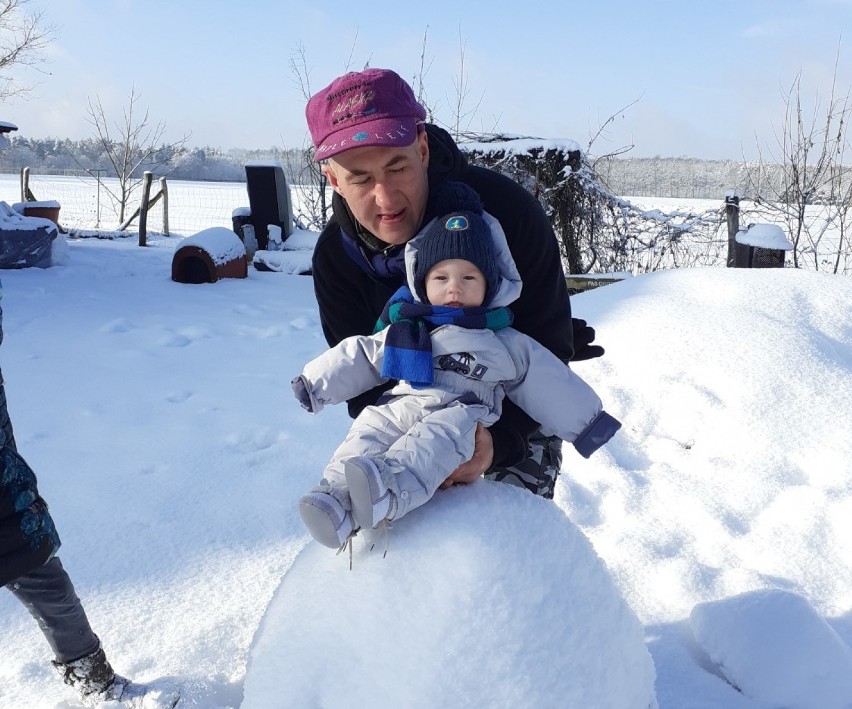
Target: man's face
(386,188)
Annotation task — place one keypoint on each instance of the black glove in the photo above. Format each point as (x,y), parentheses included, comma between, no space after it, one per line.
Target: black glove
(300,389)
(584,335)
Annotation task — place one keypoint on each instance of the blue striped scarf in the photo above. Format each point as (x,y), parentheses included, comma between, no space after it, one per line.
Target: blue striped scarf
(408,346)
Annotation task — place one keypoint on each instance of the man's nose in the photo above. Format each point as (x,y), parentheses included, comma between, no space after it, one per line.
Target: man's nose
(383,194)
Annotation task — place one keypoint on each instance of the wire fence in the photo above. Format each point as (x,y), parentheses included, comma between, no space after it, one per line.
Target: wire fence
(87,203)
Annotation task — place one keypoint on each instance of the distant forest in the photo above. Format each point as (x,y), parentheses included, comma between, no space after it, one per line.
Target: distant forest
(640,177)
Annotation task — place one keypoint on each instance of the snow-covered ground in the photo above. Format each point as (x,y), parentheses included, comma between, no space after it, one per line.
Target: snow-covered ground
(159,419)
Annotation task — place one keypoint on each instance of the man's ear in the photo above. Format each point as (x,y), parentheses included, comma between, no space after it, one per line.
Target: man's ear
(328,170)
(423,147)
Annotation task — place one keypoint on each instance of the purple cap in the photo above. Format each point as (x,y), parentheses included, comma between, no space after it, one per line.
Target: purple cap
(374,107)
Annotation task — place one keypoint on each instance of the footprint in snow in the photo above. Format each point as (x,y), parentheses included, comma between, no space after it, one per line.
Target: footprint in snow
(118,325)
(178,397)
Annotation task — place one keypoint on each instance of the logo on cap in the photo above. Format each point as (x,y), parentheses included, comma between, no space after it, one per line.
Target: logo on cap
(457,223)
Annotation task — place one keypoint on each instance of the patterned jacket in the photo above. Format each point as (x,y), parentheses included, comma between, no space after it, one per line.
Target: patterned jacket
(28,537)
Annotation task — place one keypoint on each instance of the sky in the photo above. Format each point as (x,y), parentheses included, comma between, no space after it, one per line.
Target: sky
(679,79)
(711,536)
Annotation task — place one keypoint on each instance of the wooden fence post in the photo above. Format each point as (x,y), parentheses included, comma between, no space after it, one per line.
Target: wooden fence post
(147,177)
(26,195)
(164,191)
(732,211)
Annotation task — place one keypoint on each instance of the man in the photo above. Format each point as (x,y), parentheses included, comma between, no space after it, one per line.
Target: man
(383,162)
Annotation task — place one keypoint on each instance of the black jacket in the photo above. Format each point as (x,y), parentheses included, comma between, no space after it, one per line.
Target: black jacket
(351,294)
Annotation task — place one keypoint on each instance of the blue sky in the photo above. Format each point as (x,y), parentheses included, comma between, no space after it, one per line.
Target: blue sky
(700,79)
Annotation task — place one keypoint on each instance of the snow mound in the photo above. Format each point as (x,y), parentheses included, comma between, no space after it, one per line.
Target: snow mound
(222,244)
(484,576)
(774,647)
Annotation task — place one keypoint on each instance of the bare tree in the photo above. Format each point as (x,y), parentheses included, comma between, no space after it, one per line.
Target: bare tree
(463,113)
(132,145)
(316,208)
(418,83)
(812,192)
(599,232)
(23,36)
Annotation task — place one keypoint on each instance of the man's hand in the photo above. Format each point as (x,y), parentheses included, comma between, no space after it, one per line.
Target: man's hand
(584,335)
(483,457)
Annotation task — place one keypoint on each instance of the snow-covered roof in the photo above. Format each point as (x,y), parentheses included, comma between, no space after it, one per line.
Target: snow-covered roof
(765,236)
(12,220)
(222,244)
(522,146)
(263,163)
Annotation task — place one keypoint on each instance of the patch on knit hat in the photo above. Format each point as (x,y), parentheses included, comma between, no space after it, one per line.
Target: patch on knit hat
(457,222)
(461,233)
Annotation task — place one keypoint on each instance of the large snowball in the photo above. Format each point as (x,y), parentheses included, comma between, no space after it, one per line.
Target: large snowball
(488,597)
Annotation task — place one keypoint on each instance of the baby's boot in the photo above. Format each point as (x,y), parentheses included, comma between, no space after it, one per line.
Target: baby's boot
(372,501)
(326,519)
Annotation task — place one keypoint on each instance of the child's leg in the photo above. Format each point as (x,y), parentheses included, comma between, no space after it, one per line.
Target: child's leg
(414,466)
(370,435)
(49,596)
(326,509)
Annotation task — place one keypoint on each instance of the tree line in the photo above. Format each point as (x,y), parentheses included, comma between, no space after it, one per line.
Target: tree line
(65,156)
(640,177)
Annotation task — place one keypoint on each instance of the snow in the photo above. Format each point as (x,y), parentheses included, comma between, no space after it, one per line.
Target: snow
(12,220)
(159,419)
(521,146)
(542,629)
(766,236)
(800,663)
(221,244)
(46,204)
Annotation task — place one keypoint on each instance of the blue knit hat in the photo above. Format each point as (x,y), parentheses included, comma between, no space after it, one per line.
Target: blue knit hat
(461,233)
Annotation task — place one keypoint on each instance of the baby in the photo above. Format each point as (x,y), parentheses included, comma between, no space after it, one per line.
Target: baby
(446,338)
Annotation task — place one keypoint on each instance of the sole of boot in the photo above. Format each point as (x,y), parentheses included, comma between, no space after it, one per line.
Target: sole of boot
(370,504)
(320,519)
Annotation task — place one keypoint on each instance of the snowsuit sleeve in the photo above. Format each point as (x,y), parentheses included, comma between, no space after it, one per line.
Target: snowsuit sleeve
(555,396)
(351,367)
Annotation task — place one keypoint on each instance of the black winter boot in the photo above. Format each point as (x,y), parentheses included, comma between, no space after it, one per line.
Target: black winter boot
(94,679)
(92,676)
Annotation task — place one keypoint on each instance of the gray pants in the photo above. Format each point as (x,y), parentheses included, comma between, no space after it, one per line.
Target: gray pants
(49,596)
(538,471)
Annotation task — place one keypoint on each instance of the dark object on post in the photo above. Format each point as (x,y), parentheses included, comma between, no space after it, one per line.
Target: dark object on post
(243,228)
(269,201)
(732,215)
(761,246)
(209,255)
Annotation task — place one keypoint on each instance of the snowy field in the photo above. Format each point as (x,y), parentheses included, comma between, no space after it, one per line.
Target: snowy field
(713,533)
(193,206)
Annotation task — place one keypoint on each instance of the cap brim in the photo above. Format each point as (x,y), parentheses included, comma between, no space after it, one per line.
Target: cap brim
(383,133)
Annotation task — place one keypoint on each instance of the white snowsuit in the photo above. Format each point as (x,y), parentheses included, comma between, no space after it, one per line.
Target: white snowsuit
(418,436)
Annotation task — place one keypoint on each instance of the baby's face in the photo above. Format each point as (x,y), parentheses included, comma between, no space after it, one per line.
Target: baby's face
(456,283)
